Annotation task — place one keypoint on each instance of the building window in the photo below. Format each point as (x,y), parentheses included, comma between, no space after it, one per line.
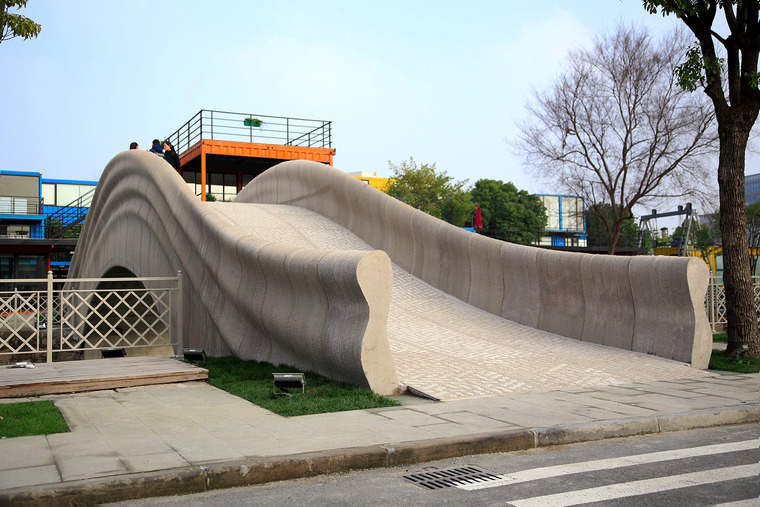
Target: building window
(222,185)
(22,266)
(246,178)
(65,194)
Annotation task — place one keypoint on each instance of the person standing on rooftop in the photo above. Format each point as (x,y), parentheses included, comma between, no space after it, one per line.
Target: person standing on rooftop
(156,148)
(170,155)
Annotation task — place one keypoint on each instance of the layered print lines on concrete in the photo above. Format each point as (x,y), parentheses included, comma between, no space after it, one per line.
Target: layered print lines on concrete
(310,267)
(448,349)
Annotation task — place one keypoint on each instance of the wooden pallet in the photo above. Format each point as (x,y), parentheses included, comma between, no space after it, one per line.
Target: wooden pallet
(95,374)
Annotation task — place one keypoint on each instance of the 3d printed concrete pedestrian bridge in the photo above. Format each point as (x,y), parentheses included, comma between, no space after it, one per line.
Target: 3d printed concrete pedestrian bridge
(313,268)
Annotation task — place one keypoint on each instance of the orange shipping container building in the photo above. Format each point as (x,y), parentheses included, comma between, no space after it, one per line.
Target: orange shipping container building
(221,152)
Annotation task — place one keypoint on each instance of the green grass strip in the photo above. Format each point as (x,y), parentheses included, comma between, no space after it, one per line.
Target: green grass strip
(720,338)
(719,361)
(30,418)
(252,381)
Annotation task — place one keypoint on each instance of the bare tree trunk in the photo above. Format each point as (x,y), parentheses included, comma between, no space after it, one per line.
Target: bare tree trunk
(740,301)
(614,238)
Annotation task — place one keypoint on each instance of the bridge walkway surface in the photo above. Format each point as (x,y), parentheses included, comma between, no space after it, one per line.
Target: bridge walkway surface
(447,349)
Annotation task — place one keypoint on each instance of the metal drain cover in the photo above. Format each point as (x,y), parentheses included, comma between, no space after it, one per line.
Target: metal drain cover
(453,477)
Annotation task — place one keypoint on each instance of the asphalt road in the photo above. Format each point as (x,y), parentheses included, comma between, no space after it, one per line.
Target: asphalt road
(700,467)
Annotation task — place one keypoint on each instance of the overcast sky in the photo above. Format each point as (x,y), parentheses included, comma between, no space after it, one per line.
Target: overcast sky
(440,81)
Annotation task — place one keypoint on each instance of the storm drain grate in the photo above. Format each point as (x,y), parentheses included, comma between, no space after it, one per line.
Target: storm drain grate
(452,477)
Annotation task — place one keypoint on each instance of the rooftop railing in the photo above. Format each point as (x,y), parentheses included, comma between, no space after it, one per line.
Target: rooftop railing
(20,205)
(250,128)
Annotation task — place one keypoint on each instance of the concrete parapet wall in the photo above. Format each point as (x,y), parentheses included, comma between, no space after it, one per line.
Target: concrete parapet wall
(646,304)
(319,310)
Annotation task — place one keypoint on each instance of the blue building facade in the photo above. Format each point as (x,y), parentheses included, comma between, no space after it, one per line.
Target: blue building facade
(29,249)
(751,188)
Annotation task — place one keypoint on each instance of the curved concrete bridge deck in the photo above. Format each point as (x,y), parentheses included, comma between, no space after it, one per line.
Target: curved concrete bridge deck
(288,284)
(448,349)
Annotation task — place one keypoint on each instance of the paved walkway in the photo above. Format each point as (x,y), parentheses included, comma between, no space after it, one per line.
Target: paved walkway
(180,438)
(450,350)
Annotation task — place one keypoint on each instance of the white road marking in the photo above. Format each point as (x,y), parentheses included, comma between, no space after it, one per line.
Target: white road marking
(643,487)
(607,464)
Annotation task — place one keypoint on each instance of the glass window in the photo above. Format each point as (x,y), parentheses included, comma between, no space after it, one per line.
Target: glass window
(193,179)
(6,265)
(246,178)
(18,231)
(230,186)
(222,185)
(48,194)
(215,185)
(572,213)
(32,266)
(551,203)
(6,205)
(83,190)
(67,194)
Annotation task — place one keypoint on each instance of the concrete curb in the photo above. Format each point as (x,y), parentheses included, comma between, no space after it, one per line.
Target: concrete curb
(627,427)
(262,470)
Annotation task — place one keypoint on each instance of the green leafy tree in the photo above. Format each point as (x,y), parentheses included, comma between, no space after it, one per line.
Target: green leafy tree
(435,193)
(15,25)
(54,227)
(600,227)
(731,83)
(701,238)
(679,231)
(509,214)
(704,240)
(647,241)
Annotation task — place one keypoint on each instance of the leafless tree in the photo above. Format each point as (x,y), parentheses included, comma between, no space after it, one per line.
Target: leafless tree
(616,129)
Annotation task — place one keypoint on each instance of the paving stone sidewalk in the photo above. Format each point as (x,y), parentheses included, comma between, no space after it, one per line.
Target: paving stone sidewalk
(178,437)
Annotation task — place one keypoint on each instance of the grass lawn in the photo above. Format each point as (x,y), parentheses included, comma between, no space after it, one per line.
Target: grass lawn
(720,338)
(719,361)
(252,381)
(30,418)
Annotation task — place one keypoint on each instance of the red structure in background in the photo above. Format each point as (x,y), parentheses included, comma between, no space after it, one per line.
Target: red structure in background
(478,223)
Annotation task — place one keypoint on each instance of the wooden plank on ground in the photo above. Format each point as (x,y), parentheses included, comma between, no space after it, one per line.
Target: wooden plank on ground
(96,374)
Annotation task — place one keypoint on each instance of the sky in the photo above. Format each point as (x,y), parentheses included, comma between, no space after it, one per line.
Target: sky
(441,81)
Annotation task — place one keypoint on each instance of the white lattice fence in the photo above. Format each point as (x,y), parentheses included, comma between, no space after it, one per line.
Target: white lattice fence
(715,301)
(20,321)
(90,314)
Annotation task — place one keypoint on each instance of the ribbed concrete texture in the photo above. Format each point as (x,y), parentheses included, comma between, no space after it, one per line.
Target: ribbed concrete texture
(313,268)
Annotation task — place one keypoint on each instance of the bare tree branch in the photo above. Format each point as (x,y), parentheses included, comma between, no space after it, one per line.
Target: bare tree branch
(616,129)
